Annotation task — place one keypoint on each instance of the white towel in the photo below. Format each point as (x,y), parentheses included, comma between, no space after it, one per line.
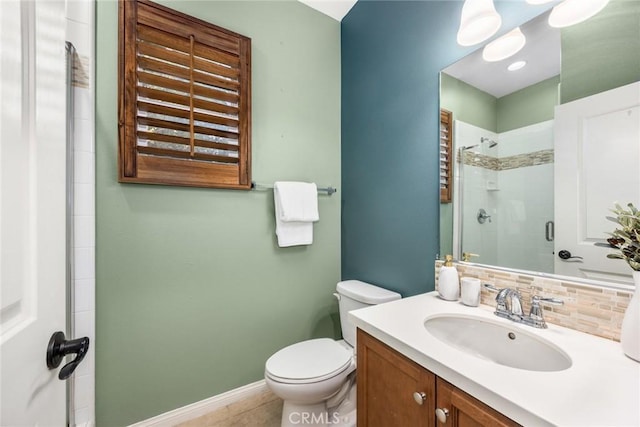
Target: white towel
(298,201)
(296,208)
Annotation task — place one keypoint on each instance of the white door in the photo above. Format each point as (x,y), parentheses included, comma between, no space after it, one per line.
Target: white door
(32,210)
(597,153)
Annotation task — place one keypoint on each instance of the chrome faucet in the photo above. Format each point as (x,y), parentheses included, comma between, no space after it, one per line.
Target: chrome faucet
(509,306)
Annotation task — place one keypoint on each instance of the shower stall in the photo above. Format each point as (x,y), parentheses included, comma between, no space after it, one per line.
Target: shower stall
(503,200)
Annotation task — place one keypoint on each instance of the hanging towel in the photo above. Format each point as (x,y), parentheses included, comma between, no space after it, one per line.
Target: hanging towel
(298,201)
(296,208)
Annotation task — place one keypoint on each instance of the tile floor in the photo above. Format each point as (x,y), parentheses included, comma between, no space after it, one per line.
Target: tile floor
(264,410)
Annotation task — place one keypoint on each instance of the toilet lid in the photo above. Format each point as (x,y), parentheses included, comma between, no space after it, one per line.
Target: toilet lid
(309,360)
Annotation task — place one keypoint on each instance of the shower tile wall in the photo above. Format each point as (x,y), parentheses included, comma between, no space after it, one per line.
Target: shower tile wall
(513,182)
(80,30)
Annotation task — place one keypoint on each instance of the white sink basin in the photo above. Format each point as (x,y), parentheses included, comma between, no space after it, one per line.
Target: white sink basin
(498,343)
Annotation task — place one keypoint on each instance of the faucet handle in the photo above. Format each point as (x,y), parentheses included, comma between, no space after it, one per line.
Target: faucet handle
(546,300)
(466,256)
(500,298)
(536,318)
(490,287)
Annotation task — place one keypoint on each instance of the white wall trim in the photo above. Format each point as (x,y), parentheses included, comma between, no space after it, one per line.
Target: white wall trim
(198,409)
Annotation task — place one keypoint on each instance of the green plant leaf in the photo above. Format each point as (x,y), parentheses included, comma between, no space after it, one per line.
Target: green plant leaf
(625,240)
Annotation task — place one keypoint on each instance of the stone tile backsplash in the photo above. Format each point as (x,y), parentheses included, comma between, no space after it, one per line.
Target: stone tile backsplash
(590,309)
(523,160)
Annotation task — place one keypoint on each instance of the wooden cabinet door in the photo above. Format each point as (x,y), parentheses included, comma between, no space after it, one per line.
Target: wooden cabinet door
(465,410)
(386,385)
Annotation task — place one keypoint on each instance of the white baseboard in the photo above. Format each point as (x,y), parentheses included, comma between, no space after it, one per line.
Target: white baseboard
(198,409)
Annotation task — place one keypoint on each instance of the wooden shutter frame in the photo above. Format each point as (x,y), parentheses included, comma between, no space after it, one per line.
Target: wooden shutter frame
(446,121)
(135,168)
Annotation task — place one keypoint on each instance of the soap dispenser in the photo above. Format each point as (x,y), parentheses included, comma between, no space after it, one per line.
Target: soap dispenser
(448,281)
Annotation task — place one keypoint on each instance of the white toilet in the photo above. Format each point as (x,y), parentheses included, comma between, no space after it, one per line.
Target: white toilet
(316,378)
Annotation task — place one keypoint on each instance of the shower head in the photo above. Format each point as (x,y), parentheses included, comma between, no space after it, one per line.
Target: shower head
(491,142)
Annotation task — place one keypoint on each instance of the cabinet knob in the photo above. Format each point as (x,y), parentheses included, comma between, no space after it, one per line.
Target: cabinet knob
(420,397)
(442,414)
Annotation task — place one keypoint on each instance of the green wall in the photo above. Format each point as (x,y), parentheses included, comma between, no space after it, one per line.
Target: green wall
(468,103)
(602,53)
(533,104)
(446,229)
(193,294)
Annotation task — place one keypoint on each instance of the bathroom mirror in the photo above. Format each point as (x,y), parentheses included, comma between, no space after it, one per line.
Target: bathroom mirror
(508,164)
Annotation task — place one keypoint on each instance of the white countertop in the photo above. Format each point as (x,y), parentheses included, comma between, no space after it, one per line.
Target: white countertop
(601,388)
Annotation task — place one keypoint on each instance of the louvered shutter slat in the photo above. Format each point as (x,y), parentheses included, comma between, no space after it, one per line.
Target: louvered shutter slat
(191,101)
(446,180)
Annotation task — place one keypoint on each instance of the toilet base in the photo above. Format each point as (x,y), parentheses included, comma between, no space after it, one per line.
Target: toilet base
(295,415)
(347,410)
(317,415)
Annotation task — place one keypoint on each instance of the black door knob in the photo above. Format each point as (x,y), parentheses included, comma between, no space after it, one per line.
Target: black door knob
(566,255)
(59,347)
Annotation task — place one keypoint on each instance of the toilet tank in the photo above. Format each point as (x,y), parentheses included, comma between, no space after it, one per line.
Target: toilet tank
(354,294)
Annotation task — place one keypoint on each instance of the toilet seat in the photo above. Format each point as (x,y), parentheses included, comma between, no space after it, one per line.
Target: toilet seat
(309,361)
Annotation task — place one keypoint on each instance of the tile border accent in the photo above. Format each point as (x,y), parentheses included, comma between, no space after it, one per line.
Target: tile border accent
(534,158)
(470,158)
(587,308)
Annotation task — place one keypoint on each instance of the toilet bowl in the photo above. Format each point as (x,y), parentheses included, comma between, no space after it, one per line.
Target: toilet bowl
(315,377)
(309,371)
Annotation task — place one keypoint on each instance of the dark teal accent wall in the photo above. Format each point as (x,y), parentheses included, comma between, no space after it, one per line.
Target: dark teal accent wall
(392,52)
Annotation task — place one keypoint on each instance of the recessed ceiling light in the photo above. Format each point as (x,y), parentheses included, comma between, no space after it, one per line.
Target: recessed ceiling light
(478,21)
(516,65)
(571,12)
(505,46)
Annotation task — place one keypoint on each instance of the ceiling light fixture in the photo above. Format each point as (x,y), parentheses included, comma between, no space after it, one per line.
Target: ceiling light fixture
(517,65)
(538,1)
(505,46)
(478,21)
(571,12)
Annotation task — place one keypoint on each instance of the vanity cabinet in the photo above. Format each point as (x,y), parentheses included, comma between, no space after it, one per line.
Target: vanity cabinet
(464,410)
(394,391)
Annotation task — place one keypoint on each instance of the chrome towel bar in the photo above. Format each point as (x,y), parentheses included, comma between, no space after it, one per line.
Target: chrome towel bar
(256,186)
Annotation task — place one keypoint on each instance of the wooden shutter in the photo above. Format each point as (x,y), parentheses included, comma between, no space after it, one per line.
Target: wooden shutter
(446,165)
(185,100)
